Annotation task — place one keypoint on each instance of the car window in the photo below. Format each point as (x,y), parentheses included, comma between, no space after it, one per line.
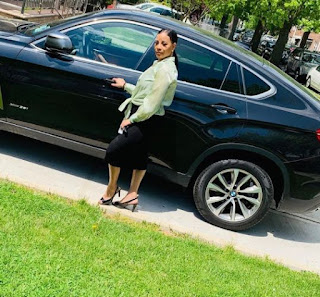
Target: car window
(201,66)
(315,59)
(254,85)
(166,12)
(34,30)
(296,53)
(307,58)
(232,82)
(157,10)
(122,44)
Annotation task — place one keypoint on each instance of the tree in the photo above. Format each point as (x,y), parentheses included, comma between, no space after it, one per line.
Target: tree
(224,10)
(288,13)
(192,10)
(308,27)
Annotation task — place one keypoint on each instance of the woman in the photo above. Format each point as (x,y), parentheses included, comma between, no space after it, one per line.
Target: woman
(154,90)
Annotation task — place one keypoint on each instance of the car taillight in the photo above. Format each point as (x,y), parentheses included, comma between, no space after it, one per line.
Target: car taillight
(318,134)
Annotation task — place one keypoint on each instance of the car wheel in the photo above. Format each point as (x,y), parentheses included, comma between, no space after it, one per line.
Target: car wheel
(308,82)
(233,194)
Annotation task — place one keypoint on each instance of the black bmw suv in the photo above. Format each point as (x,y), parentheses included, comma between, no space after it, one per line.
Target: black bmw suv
(240,133)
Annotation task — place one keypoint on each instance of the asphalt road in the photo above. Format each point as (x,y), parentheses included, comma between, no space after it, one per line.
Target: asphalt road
(290,239)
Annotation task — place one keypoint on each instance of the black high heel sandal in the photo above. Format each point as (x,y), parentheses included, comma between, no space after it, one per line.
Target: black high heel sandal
(103,201)
(126,204)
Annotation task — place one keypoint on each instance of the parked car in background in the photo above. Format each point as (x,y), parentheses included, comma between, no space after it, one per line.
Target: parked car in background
(160,9)
(300,61)
(237,34)
(239,134)
(126,6)
(265,48)
(268,38)
(247,36)
(313,78)
(144,5)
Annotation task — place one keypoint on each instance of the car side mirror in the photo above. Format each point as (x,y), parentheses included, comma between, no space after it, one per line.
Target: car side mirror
(59,43)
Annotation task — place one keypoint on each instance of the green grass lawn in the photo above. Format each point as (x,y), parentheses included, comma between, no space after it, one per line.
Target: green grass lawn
(50,246)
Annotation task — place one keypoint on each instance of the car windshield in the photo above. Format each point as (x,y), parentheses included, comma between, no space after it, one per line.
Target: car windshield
(34,30)
(316,59)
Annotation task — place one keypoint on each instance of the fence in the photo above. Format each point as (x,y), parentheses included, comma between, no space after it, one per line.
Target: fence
(62,7)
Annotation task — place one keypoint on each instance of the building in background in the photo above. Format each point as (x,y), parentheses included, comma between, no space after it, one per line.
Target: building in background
(313,42)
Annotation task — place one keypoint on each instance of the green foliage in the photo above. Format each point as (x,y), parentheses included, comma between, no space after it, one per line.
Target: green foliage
(50,246)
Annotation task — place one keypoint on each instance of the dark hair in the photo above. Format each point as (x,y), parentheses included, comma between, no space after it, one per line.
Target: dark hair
(174,39)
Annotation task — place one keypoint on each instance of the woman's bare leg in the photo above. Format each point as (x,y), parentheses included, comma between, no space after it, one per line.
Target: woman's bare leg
(114,173)
(137,176)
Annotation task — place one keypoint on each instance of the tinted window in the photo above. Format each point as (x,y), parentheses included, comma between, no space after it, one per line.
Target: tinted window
(166,12)
(201,66)
(232,80)
(156,10)
(254,85)
(121,44)
(315,59)
(307,58)
(296,53)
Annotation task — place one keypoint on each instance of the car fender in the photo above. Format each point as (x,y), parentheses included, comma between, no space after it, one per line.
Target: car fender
(244,148)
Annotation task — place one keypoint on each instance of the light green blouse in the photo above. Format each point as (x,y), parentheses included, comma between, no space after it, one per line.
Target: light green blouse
(154,90)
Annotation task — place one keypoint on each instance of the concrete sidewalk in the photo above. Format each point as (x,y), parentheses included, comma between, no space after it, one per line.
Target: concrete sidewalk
(292,240)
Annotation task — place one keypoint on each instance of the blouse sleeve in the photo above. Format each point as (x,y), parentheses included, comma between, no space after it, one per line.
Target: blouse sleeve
(129,88)
(152,102)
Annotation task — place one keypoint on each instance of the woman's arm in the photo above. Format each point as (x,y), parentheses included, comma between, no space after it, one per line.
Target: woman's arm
(152,102)
(121,84)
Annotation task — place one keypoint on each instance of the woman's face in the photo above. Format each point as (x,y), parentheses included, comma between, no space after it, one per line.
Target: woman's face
(163,46)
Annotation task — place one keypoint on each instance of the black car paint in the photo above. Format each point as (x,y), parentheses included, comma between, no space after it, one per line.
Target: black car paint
(279,128)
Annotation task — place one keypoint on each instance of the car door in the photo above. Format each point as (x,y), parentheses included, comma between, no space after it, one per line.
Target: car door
(209,106)
(69,95)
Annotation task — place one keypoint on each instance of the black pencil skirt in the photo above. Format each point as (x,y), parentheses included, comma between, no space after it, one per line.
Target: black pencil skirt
(130,150)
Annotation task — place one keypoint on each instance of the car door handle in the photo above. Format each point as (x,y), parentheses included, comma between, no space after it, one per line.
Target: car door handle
(109,81)
(224,109)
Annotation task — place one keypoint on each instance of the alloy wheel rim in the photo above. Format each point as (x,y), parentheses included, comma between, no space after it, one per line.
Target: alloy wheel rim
(234,195)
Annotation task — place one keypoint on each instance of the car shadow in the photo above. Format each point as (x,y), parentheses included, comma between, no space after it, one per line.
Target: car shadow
(163,196)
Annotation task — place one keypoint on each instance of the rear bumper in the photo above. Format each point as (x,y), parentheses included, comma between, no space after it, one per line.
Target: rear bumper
(304,194)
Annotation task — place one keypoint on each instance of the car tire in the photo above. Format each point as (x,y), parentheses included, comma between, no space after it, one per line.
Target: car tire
(308,82)
(233,194)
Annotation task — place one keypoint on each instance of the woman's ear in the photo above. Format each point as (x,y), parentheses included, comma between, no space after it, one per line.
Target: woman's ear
(174,45)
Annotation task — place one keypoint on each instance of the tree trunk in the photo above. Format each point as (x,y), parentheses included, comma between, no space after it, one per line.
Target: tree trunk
(257,36)
(280,44)
(235,21)
(304,39)
(222,25)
